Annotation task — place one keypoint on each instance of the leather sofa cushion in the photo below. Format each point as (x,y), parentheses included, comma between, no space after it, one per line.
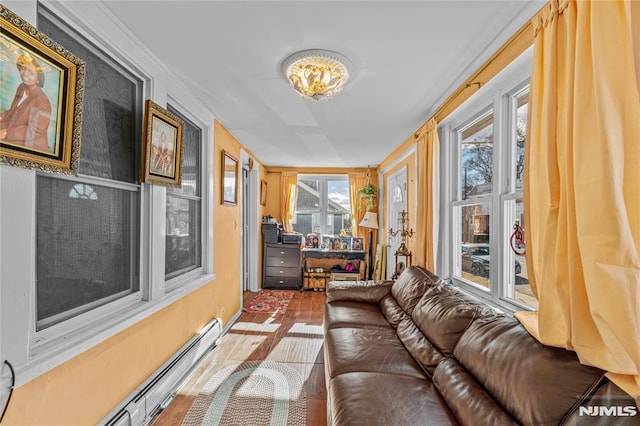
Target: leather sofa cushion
(372,399)
(353,314)
(444,313)
(533,382)
(411,286)
(466,398)
(358,291)
(372,350)
(392,311)
(419,346)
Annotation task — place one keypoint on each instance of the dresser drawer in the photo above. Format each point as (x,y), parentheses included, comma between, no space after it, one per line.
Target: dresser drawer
(277,271)
(281,282)
(282,252)
(283,262)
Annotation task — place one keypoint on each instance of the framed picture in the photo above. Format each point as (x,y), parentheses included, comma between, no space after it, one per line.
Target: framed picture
(263,192)
(308,240)
(41,91)
(345,243)
(162,147)
(229,179)
(357,243)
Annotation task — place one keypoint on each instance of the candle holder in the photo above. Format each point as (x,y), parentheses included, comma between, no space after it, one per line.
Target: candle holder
(404,234)
(403,250)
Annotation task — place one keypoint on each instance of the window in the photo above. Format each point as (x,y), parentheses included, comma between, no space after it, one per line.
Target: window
(184,237)
(323,205)
(87,227)
(474,208)
(91,255)
(485,157)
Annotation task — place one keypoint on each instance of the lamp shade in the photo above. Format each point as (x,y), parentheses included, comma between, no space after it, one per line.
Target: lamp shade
(370,220)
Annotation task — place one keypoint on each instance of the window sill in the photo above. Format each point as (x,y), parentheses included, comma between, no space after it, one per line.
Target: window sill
(48,354)
(506,306)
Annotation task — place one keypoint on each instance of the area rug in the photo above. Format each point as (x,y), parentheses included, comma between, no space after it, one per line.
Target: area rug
(270,301)
(250,393)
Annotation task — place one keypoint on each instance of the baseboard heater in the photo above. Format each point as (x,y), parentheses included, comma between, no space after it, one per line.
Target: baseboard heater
(156,392)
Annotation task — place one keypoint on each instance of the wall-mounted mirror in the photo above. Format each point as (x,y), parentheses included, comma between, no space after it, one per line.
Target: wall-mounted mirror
(229,179)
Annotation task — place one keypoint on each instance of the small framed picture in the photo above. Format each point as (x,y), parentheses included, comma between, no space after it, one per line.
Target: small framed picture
(162,147)
(345,243)
(41,93)
(327,242)
(309,239)
(357,243)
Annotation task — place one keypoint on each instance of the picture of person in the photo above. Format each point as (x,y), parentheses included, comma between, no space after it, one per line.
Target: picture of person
(26,122)
(162,150)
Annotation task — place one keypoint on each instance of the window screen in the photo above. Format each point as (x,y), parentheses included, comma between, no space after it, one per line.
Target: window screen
(86,247)
(184,242)
(87,244)
(111,109)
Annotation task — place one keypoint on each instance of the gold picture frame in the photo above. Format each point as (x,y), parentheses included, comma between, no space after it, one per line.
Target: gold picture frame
(162,147)
(229,179)
(41,93)
(263,192)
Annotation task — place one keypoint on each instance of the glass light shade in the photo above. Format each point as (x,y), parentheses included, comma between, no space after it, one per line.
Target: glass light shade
(316,74)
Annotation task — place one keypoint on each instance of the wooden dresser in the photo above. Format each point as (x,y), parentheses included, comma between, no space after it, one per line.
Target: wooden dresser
(281,266)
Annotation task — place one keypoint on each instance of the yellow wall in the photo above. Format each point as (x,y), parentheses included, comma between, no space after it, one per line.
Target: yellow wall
(86,388)
(226,225)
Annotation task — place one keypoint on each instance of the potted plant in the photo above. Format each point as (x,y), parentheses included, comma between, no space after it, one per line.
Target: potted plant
(368,195)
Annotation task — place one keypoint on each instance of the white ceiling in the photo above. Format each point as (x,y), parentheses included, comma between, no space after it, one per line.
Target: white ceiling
(408,57)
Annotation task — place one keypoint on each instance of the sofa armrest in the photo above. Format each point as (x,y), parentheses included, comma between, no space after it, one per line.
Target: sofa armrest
(371,291)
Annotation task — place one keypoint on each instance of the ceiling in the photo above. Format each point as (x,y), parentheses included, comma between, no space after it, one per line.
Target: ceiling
(408,57)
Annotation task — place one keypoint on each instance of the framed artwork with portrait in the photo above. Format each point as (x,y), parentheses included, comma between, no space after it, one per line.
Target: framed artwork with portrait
(162,146)
(41,92)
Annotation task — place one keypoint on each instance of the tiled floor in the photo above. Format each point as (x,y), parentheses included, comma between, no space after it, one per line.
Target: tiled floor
(293,338)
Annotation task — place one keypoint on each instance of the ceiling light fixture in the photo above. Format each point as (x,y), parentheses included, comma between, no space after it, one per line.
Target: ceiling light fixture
(317,74)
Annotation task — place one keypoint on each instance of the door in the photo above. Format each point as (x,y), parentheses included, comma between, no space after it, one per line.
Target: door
(397,199)
(246,243)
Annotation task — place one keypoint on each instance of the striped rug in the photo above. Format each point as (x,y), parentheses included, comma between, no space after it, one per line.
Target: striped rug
(251,393)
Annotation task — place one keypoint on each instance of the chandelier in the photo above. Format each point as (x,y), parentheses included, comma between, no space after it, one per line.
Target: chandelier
(316,74)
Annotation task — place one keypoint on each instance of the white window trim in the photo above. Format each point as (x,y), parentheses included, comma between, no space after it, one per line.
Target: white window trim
(33,353)
(323,195)
(511,80)
(206,201)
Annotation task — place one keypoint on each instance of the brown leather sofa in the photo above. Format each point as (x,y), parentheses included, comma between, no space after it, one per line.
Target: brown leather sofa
(420,352)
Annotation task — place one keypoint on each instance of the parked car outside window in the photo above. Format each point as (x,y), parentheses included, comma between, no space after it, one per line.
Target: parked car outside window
(476,259)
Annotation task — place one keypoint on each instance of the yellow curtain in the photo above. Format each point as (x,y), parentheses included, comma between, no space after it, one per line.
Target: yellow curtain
(429,190)
(357,181)
(582,185)
(289,185)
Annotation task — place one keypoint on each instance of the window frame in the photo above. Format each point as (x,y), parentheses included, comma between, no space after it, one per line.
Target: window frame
(500,96)
(324,197)
(176,278)
(32,352)
(206,211)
